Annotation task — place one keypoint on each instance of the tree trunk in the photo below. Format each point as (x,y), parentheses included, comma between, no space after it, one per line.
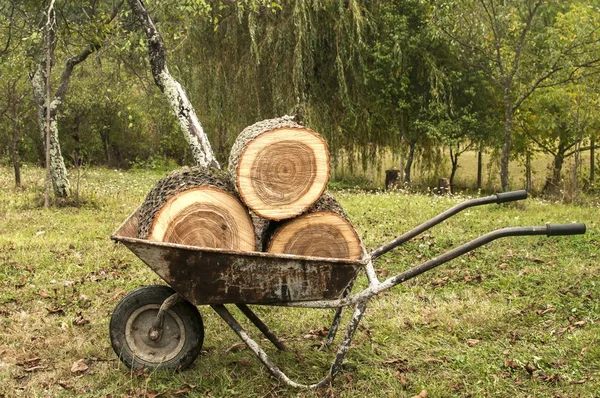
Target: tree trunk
(176,96)
(553,182)
(409,161)
(454,161)
(506,147)
(592,159)
(196,207)
(48,126)
(324,231)
(14,144)
(479,169)
(279,168)
(528,177)
(392,179)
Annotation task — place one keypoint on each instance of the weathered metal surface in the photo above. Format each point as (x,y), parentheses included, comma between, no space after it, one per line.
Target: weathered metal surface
(215,276)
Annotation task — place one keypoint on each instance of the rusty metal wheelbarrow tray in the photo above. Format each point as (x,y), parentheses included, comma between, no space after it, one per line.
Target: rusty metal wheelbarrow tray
(216,276)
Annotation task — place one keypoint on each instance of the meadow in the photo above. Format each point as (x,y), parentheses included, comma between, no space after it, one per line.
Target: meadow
(517,318)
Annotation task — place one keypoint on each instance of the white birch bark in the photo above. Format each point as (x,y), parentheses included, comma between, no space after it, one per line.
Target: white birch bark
(180,105)
(47,114)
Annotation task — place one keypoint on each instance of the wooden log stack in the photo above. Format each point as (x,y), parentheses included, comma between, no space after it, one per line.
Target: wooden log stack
(272,199)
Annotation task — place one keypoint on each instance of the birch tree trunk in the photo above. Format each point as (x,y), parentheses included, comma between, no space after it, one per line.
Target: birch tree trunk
(55,165)
(48,109)
(180,105)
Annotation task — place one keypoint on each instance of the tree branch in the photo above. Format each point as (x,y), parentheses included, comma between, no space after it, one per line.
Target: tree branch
(65,77)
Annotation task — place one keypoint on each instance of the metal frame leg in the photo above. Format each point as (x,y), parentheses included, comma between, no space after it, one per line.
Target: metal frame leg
(262,356)
(155,332)
(261,326)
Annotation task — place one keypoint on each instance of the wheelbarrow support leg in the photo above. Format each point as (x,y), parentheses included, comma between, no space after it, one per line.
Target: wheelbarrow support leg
(359,311)
(155,332)
(262,327)
(254,347)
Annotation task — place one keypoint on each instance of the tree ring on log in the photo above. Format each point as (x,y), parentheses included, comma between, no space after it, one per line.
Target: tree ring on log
(282,172)
(320,234)
(205,217)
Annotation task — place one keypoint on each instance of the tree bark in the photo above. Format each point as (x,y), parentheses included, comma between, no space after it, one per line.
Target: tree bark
(49,132)
(176,96)
(479,169)
(528,177)
(592,159)
(506,147)
(409,161)
(454,165)
(14,145)
(553,182)
(48,109)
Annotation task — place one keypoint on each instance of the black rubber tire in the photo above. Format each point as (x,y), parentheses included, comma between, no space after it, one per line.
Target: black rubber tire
(136,350)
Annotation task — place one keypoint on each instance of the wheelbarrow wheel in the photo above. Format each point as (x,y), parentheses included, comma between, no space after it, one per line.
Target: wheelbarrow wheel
(181,339)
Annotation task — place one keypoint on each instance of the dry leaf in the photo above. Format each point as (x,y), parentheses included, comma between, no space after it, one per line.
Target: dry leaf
(395,361)
(422,394)
(503,266)
(432,360)
(79,366)
(57,311)
(472,342)
(236,347)
(44,294)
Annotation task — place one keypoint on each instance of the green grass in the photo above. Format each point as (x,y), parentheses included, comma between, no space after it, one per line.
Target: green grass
(516,318)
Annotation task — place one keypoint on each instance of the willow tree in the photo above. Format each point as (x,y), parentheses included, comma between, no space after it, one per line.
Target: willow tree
(520,46)
(246,61)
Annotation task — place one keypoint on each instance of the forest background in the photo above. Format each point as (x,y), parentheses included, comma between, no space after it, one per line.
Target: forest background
(414,85)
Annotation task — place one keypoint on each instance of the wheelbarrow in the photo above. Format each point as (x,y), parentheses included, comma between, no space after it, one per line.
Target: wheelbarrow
(160,326)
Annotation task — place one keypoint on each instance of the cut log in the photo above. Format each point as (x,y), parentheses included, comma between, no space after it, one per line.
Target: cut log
(196,207)
(279,168)
(324,231)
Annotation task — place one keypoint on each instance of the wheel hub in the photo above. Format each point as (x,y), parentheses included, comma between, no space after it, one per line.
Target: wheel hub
(137,334)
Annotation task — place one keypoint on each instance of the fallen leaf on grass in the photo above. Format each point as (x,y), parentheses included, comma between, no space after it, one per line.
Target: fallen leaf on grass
(530,368)
(79,366)
(236,347)
(35,368)
(80,320)
(316,333)
(582,381)
(30,362)
(57,311)
(44,294)
(402,378)
(432,360)
(473,342)
(65,386)
(422,394)
(547,310)
(503,266)
(395,361)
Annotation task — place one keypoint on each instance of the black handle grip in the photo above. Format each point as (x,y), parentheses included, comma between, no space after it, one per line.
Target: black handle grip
(577,228)
(511,196)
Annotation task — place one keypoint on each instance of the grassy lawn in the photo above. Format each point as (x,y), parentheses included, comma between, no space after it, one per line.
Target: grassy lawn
(517,318)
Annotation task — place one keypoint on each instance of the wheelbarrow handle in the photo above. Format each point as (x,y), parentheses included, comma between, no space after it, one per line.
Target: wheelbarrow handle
(565,229)
(510,196)
(497,198)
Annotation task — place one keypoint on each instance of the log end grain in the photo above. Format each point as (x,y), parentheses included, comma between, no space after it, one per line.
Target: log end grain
(320,234)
